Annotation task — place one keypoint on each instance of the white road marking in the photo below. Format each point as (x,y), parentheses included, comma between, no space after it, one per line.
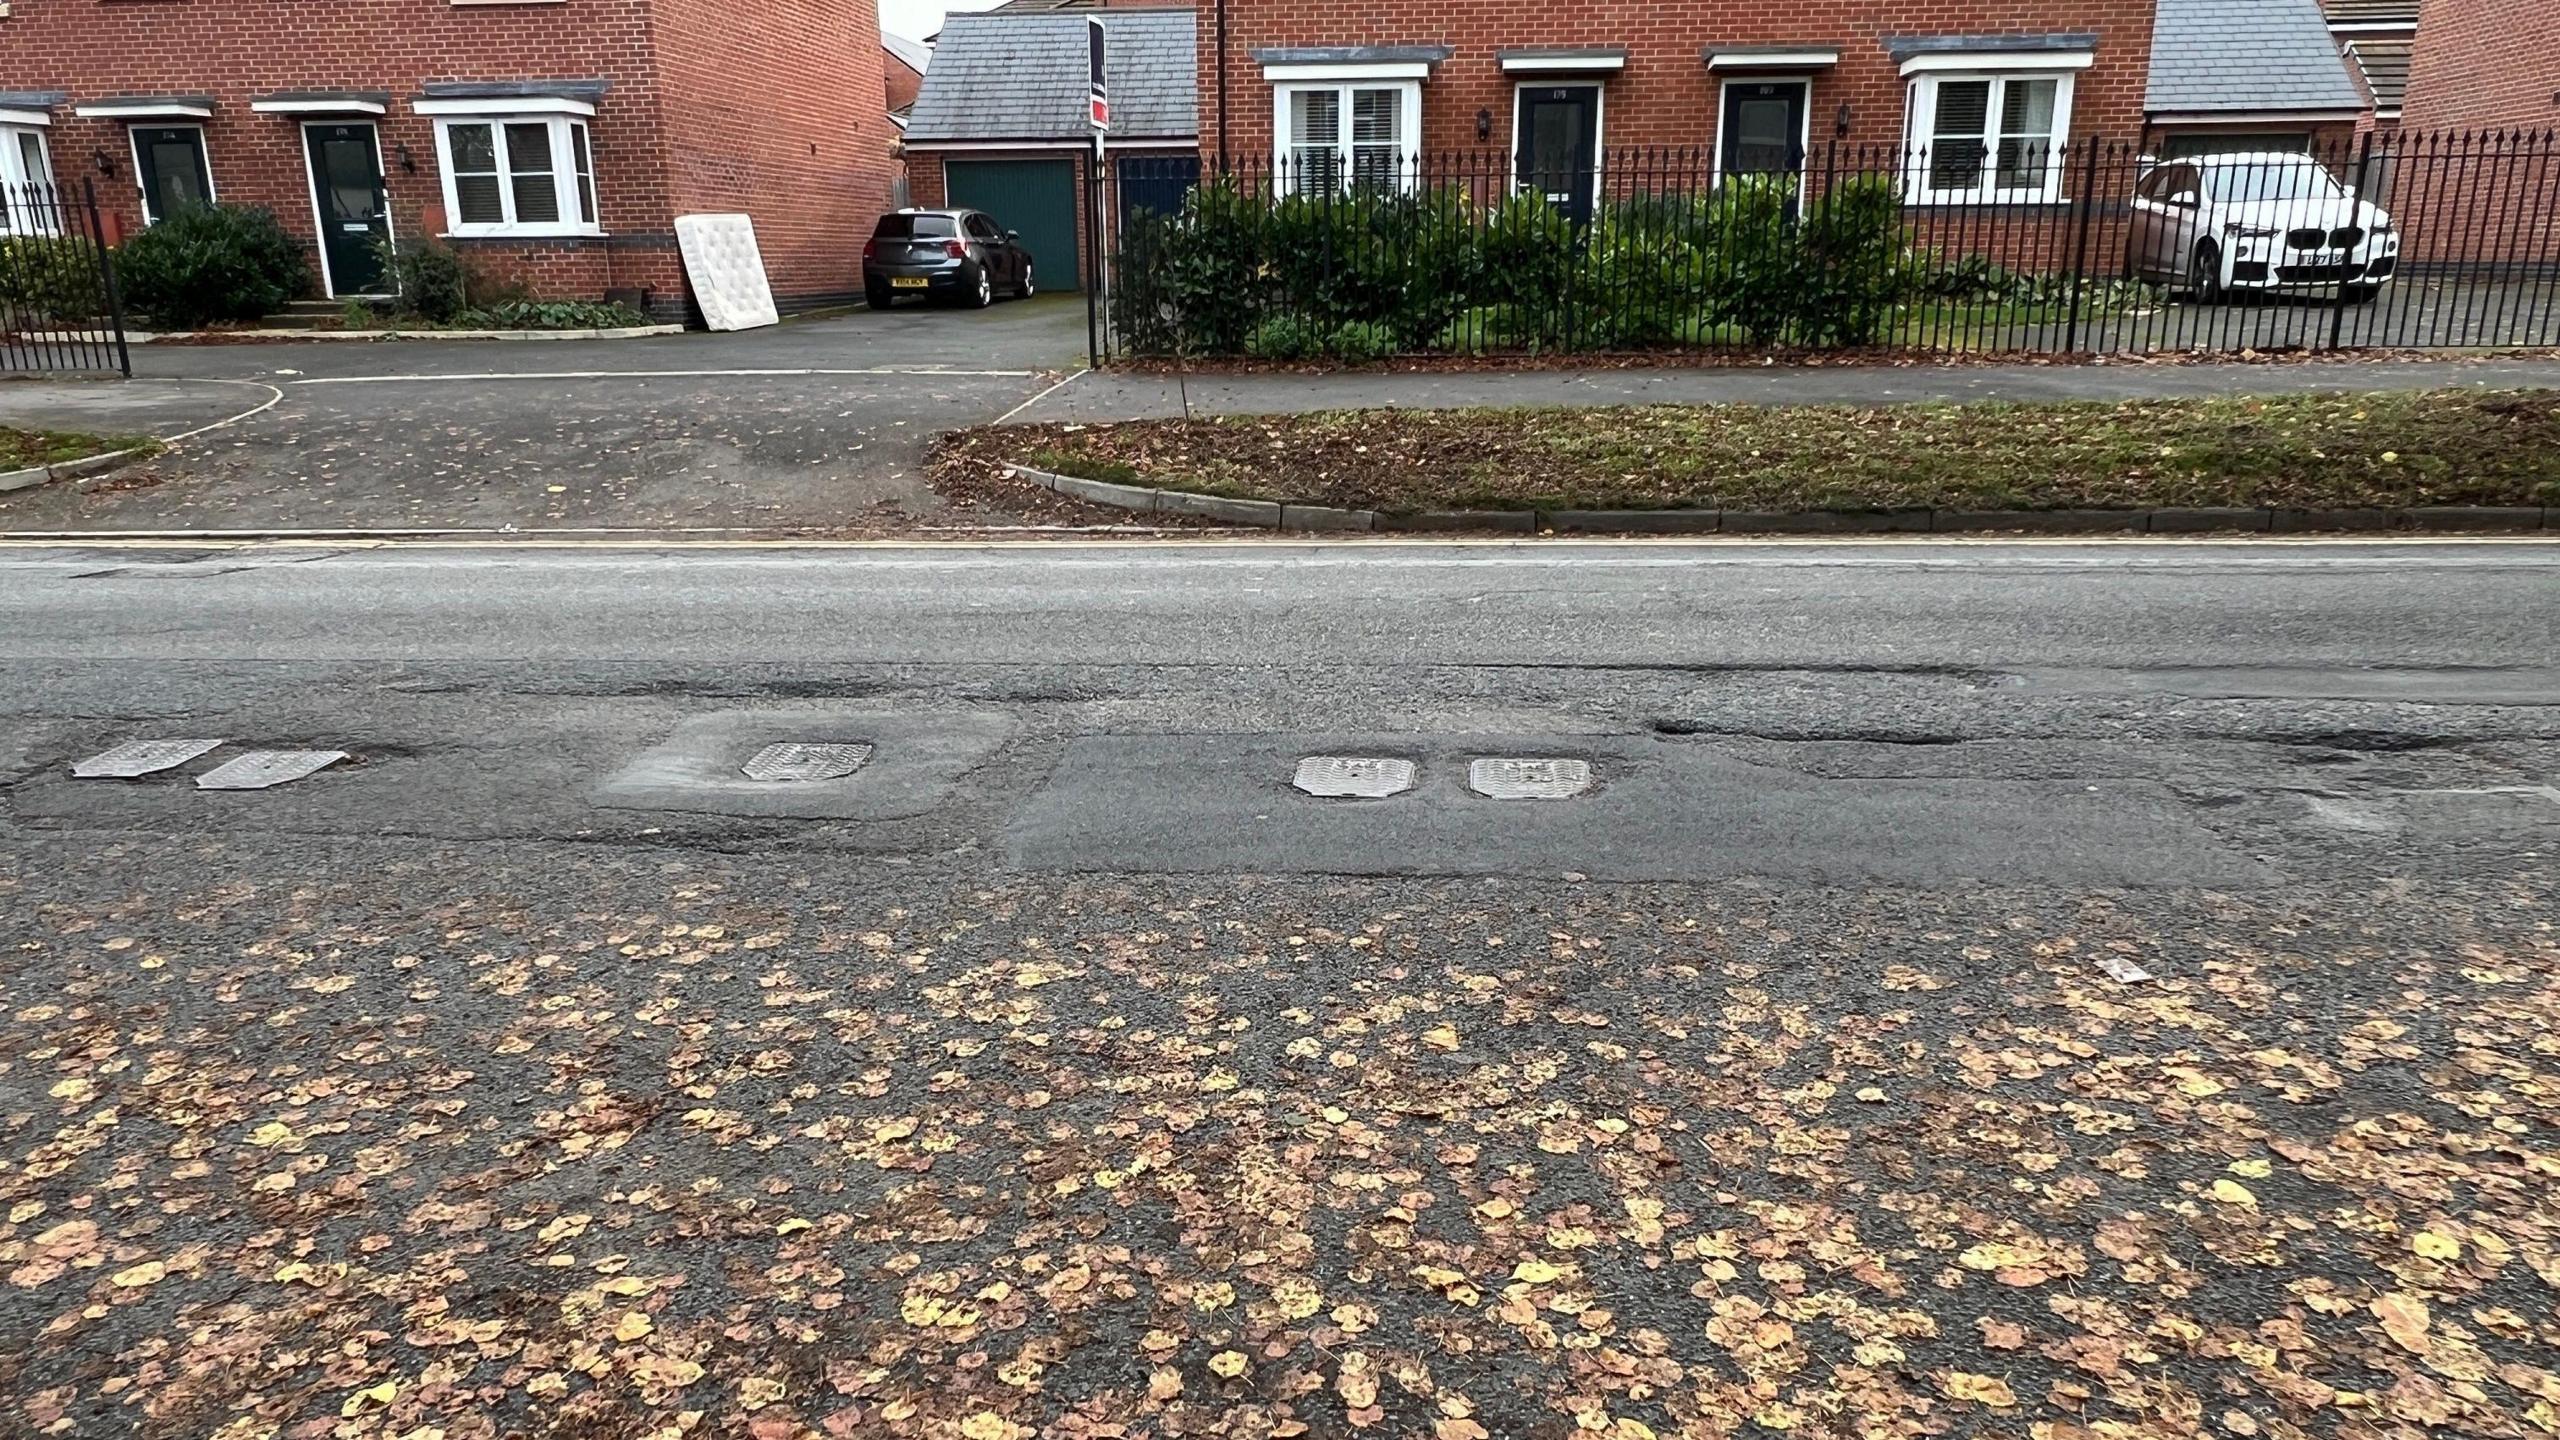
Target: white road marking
(484,375)
(1043,395)
(274,397)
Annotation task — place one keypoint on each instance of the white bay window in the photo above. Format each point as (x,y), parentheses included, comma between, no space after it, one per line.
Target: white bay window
(1990,138)
(1348,135)
(519,174)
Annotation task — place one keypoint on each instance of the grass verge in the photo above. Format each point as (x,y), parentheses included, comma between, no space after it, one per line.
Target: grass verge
(26,449)
(2446,447)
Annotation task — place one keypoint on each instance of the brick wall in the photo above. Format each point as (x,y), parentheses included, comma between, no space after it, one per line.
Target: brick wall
(666,139)
(898,83)
(2485,64)
(767,112)
(1665,95)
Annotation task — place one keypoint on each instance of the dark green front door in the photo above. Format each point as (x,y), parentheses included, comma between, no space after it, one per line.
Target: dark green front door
(1036,199)
(347,192)
(169,161)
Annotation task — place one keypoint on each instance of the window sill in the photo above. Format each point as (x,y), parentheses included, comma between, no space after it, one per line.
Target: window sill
(525,233)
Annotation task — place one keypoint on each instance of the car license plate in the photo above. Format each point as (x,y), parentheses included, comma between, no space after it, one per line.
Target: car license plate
(907,282)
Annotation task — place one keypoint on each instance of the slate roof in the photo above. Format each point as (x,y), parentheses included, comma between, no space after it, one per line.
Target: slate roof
(914,54)
(1020,75)
(2372,12)
(2243,56)
(2386,69)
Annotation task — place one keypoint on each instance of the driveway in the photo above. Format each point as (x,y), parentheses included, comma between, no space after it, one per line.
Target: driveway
(818,423)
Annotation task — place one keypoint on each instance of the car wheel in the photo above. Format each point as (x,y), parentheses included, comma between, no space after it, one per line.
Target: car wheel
(876,298)
(985,293)
(1024,290)
(2204,277)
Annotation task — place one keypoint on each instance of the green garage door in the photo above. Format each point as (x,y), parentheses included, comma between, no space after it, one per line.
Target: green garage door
(1034,197)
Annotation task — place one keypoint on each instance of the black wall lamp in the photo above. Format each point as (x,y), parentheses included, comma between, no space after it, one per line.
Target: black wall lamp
(1484,124)
(408,162)
(106,164)
(1840,125)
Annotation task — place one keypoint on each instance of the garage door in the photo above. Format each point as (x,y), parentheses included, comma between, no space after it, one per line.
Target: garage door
(1036,198)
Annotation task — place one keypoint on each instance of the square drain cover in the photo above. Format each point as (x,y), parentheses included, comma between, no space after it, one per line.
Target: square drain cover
(797,761)
(1357,777)
(263,769)
(1521,779)
(141,757)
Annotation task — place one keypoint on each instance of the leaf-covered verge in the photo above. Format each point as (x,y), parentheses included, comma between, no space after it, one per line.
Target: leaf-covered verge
(26,449)
(2447,447)
(691,1155)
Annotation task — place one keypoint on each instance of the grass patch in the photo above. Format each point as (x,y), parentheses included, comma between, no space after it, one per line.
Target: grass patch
(26,449)
(2447,447)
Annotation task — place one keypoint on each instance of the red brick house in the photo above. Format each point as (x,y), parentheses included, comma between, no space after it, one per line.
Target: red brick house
(553,141)
(1989,89)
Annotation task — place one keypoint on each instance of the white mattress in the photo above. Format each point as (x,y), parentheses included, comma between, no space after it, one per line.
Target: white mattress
(727,270)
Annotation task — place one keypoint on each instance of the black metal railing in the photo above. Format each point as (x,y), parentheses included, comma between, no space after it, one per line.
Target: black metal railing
(2095,247)
(59,307)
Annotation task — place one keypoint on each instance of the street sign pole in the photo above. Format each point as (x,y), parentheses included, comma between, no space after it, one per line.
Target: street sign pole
(1098,108)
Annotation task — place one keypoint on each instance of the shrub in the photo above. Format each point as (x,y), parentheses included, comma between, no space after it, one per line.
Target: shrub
(432,280)
(1286,337)
(212,262)
(1212,271)
(1527,250)
(1363,340)
(1633,286)
(551,315)
(1851,279)
(1755,274)
(49,277)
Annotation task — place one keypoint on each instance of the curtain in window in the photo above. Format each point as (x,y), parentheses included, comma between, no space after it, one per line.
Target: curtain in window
(529,174)
(1377,139)
(475,175)
(2026,132)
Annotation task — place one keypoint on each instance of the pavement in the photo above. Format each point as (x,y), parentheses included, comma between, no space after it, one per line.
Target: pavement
(822,424)
(1997,988)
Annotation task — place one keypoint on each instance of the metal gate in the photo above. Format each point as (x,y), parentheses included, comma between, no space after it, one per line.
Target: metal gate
(59,308)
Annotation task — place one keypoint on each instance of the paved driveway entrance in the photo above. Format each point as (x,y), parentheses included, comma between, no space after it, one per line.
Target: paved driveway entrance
(817,424)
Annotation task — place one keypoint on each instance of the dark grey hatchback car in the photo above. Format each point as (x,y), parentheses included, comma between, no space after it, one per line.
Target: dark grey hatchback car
(952,255)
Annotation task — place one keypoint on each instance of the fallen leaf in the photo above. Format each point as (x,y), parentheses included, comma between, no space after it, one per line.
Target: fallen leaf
(2436,1245)
(1226,1364)
(372,1397)
(2232,1192)
(1988,1390)
(1441,1037)
(134,1278)
(632,1326)
(2405,1319)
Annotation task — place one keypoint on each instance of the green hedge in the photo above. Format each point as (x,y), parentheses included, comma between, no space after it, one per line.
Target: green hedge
(1356,276)
(48,278)
(212,262)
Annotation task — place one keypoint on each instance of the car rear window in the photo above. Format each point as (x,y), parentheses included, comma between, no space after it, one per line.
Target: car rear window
(905,227)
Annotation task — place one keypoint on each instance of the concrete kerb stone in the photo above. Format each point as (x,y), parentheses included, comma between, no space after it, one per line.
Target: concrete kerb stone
(35,475)
(1909,520)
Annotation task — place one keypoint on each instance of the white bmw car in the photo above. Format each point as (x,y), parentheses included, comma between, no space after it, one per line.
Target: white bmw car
(2259,222)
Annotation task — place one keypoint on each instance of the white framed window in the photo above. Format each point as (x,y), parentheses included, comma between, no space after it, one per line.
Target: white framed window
(27,200)
(526,174)
(1995,137)
(1347,135)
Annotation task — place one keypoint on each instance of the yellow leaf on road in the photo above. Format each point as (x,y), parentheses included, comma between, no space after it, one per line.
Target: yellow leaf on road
(1226,1364)
(2252,1169)
(1536,1272)
(1441,1037)
(632,1326)
(2436,1245)
(2405,1319)
(372,1397)
(1988,1390)
(2232,1192)
(146,1273)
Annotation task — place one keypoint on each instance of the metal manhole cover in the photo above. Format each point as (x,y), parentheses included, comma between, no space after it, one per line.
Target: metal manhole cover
(263,769)
(1524,779)
(1353,777)
(141,757)
(794,760)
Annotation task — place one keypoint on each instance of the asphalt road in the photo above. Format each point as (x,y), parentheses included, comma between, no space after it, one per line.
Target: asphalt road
(1064,1068)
